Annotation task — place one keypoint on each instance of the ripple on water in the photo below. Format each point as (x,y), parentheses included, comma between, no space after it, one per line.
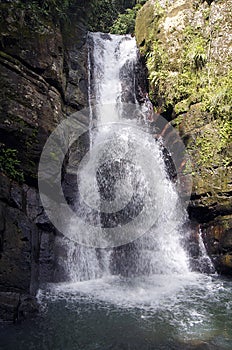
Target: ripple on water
(191,309)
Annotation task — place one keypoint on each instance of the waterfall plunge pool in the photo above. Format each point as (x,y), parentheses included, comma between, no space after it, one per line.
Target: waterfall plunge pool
(191,311)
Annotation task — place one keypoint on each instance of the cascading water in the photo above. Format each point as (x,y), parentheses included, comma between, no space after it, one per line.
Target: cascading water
(112,60)
(204,261)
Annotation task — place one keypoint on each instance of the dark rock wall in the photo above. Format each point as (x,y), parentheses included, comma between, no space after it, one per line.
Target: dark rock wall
(43,68)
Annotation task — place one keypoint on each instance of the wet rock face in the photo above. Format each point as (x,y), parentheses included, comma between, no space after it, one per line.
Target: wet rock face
(20,259)
(218,238)
(139,85)
(17,307)
(43,68)
(76,62)
(173,33)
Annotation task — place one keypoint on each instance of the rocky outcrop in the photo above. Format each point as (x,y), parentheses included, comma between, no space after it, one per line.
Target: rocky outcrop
(187,45)
(43,65)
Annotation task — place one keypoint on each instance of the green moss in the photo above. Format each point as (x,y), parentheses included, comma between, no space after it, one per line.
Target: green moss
(183,73)
(32,138)
(188,74)
(10,164)
(210,147)
(179,78)
(146,26)
(182,107)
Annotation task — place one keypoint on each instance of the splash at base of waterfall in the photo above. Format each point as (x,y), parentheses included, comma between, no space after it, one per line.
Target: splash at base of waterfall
(145,292)
(188,312)
(191,311)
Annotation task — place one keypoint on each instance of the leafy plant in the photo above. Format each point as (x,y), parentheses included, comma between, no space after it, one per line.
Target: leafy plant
(210,146)
(103,13)
(189,75)
(114,16)
(50,9)
(10,164)
(195,45)
(125,23)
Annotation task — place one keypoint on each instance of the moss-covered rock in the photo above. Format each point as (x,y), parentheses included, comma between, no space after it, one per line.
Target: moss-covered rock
(187,46)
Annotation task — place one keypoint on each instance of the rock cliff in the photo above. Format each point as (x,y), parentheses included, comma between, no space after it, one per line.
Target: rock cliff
(43,79)
(187,46)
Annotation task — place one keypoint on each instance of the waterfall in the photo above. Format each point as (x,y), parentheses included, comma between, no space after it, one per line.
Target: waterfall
(111,61)
(204,261)
(113,64)
(123,277)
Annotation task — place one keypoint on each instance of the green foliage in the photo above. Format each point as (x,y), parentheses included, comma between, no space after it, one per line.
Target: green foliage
(10,164)
(189,75)
(157,60)
(125,23)
(196,54)
(37,9)
(194,77)
(210,147)
(115,16)
(100,14)
(217,96)
(103,13)
(56,8)
(183,80)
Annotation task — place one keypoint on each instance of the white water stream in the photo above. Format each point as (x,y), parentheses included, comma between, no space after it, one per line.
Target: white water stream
(159,251)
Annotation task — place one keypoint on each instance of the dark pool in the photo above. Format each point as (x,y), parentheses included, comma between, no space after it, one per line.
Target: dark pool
(161,312)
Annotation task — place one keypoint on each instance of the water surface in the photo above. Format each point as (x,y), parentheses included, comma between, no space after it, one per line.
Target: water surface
(159,312)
